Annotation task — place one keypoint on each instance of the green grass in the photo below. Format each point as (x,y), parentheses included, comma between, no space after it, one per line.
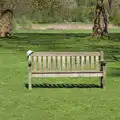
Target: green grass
(17,103)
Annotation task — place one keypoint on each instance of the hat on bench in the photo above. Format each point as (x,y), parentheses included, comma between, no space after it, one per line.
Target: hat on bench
(29,52)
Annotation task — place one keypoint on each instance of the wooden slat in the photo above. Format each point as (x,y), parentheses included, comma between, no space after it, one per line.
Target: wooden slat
(82,62)
(73,63)
(49,63)
(39,63)
(92,62)
(87,71)
(54,63)
(34,63)
(87,62)
(63,63)
(44,63)
(78,63)
(68,63)
(58,63)
(101,59)
(66,54)
(77,74)
(97,62)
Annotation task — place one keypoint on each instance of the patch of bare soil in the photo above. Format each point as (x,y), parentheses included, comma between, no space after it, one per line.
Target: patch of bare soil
(64,26)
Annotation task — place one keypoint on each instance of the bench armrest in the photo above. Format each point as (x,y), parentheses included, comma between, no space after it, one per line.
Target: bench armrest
(102,63)
(29,62)
(102,66)
(29,52)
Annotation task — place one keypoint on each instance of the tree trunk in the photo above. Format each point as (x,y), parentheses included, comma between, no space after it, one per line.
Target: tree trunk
(100,27)
(6,23)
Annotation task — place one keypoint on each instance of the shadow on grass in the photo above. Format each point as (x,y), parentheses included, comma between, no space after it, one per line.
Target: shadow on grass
(42,41)
(64,42)
(114,72)
(45,85)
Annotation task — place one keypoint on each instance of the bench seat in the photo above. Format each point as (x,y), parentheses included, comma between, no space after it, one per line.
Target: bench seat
(68,74)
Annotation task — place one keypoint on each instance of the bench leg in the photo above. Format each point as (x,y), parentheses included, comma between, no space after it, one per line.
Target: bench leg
(103,82)
(30,83)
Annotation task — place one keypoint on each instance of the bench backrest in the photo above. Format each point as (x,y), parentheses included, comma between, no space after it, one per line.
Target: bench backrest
(65,61)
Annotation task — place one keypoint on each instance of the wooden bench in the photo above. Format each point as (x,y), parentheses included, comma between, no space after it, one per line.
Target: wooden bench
(67,64)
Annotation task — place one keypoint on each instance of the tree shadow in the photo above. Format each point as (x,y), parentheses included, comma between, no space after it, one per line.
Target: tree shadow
(114,72)
(64,42)
(46,85)
(45,41)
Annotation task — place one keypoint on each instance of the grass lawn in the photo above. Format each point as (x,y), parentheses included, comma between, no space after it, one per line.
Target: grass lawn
(17,103)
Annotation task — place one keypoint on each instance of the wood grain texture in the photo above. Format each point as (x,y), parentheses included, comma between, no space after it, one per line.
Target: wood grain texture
(73,63)
(34,63)
(63,64)
(44,63)
(92,62)
(68,63)
(83,62)
(66,54)
(39,63)
(87,62)
(97,62)
(58,63)
(69,74)
(78,63)
(54,63)
(49,63)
